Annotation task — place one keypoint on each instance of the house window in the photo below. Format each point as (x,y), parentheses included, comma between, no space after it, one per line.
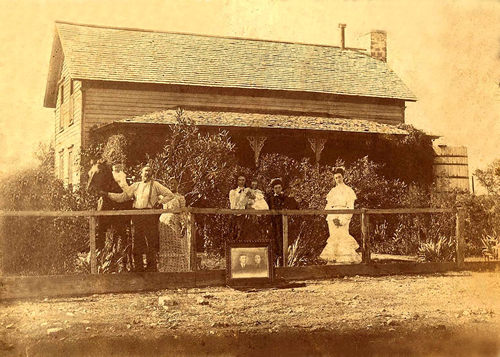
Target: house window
(61,93)
(61,108)
(70,165)
(70,104)
(61,165)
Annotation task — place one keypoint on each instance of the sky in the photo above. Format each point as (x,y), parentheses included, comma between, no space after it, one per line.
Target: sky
(447,52)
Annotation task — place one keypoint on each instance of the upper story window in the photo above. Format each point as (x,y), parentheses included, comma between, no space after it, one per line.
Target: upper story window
(61,101)
(70,106)
(61,93)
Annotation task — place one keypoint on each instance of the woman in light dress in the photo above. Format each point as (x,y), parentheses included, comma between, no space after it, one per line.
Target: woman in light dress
(341,246)
(174,248)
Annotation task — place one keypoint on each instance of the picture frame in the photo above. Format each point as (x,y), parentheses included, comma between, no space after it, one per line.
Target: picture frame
(249,263)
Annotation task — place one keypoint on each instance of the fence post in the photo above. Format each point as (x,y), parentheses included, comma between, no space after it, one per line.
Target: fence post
(93,256)
(459,236)
(285,240)
(192,242)
(366,254)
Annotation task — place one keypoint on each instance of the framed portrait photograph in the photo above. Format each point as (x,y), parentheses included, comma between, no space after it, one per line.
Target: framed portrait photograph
(249,263)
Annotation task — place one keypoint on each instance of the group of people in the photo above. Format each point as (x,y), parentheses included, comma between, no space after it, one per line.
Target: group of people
(246,264)
(246,228)
(341,247)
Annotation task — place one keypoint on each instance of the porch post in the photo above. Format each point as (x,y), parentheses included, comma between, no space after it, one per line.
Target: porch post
(317,146)
(256,143)
(285,240)
(366,255)
(192,242)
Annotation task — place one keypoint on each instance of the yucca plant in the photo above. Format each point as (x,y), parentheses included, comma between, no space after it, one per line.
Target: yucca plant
(440,251)
(491,246)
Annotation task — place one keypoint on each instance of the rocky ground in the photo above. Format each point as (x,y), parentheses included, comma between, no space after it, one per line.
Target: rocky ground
(453,314)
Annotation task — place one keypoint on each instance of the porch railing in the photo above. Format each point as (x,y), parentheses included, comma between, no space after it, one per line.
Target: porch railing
(192,211)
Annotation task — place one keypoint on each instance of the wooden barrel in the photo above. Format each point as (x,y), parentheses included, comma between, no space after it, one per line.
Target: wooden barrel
(451,168)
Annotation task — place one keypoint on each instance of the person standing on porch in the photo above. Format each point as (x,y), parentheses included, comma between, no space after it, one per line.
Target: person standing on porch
(279,200)
(146,194)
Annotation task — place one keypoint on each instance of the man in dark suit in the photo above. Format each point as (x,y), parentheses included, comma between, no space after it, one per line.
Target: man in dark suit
(278,200)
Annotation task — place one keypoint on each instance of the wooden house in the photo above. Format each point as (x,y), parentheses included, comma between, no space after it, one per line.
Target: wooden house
(299,99)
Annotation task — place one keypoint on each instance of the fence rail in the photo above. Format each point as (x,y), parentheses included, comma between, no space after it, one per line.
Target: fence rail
(197,210)
(192,211)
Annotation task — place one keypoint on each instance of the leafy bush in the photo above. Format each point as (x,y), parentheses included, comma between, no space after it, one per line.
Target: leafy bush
(42,245)
(490,178)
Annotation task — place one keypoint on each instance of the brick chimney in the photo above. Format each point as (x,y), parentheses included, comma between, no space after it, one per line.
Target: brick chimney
(342,36)
(378,45)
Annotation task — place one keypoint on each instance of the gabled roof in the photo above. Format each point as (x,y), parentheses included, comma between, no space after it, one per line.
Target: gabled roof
(131,55)
(256,120)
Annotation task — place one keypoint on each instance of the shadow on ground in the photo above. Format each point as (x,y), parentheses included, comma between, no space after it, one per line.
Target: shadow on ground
(425,342)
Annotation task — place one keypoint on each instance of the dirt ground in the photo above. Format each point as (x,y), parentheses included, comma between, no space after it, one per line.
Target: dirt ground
(453,314)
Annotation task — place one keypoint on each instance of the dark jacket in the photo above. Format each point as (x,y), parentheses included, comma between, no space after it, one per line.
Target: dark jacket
(281,201)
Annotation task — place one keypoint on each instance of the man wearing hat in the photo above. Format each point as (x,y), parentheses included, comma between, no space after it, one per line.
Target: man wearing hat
(278,200)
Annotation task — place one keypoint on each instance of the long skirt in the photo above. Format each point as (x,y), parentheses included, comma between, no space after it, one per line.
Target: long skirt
(340,246)
(174,247)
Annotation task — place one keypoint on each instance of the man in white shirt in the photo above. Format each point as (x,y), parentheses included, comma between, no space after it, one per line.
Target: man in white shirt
(146,194)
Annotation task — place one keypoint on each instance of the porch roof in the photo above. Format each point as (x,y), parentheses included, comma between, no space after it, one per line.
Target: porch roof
(268,121)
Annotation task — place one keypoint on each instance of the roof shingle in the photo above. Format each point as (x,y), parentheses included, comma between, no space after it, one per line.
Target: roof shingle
(111,54)
(255,120)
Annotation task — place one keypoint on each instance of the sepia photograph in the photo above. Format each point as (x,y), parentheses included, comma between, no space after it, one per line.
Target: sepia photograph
(249,261)
(250,178)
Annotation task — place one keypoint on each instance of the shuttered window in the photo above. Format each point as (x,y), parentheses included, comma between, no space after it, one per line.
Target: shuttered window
(61,108)
(70,104)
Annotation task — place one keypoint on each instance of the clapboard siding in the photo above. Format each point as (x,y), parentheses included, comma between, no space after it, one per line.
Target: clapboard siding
(68,135)
(451,170)
(103,105)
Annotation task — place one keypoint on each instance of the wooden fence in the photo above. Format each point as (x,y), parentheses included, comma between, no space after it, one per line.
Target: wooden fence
(192,212)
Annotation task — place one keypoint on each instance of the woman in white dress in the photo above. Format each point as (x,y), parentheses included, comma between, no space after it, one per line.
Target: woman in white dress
(341,246)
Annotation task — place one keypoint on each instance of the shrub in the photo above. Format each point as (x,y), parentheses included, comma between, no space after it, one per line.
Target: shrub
(42,245)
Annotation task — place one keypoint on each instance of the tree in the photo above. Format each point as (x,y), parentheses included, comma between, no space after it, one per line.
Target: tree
(42,245)
(490,178)
(204,165)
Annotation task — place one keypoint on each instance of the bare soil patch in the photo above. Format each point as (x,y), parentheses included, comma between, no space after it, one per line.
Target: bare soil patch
(447,314)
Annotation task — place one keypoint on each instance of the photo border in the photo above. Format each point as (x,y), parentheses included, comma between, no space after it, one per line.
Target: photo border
(249,281)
